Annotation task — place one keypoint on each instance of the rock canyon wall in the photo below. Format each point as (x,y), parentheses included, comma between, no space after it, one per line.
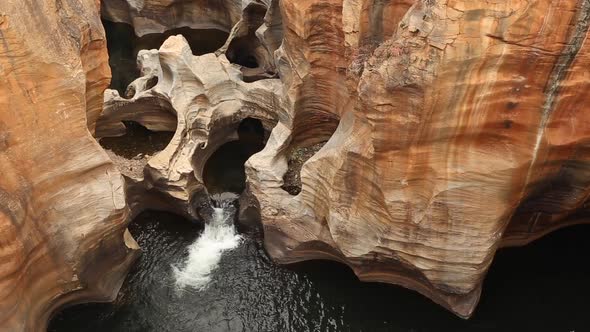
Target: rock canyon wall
(461,133)
(406,139)
(62,204)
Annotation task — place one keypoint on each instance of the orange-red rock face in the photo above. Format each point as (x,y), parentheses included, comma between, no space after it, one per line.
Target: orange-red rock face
(464,132)
(62,206)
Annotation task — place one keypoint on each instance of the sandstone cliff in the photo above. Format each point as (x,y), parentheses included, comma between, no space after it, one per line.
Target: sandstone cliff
(437,131)
(62,205)
(462,132)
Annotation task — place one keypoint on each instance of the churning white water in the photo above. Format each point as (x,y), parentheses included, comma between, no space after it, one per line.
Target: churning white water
(205,253)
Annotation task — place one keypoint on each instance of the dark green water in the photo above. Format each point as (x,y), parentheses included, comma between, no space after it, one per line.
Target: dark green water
(541,287)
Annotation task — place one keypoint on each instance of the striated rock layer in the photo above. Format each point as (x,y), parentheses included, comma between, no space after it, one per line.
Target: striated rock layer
(437,131)
(461,133)
(62,204)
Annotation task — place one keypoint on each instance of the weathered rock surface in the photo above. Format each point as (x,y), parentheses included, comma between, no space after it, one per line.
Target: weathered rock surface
(464,132)
(460,130)
(207,98)
(62,205)
(449,129)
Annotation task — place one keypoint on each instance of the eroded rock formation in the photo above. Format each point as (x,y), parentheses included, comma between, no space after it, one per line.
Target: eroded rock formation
(450,141)
(437,131)
(62,205)
(461,137)
(202,99)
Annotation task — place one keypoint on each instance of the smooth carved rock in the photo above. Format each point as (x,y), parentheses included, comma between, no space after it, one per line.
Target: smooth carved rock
(451,129)
(465,133)
(207,98)
(453,134)
(63,215)
(450,142)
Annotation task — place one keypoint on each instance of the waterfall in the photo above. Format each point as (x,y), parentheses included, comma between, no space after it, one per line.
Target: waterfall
(205,253)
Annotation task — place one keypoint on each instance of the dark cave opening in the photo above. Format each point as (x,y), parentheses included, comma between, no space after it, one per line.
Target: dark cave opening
(152,82)
(247,50)
(224,171)
(123,46)
(242,51)
(122,56)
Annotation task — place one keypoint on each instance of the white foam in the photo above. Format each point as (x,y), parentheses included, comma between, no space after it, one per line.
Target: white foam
(205,253)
